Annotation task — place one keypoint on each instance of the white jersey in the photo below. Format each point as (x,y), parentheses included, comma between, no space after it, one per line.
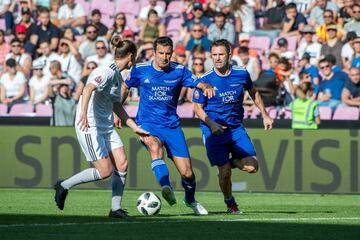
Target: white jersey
(107,80)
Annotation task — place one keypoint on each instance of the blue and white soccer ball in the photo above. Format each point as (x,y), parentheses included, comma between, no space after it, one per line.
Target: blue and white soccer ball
(148,204)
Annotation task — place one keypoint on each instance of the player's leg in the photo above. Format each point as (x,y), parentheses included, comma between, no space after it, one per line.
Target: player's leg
(178,151)
(218,150)
(188,182)
(155,148)
(118,178)
(94,148)
(247,164)
(225,186)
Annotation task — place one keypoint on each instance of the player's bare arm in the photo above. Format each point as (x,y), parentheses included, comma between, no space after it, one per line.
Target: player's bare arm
(267,120)
(207,89)
(215,127)
(83,121)
(121,113)
(124,93)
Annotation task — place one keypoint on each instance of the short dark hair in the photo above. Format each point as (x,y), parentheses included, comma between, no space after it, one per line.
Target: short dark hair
(163,41)
(323,60)
(14,40)
(290,6)
(95,11)
(43,10)
(222,42)
(244,50)
(331,59)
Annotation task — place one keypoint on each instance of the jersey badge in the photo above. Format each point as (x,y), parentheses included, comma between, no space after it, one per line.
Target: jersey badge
(147,81)
(98,79)
(196,94)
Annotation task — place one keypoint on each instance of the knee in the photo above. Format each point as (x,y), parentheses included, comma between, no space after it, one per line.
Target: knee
(252,168)
(187,174)
(122,165)
(105,171)
(155,149)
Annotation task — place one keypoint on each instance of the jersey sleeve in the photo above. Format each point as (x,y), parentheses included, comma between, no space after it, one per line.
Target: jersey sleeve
(134,79)
(189,79)
(198,96)
(100,78)
(248,82)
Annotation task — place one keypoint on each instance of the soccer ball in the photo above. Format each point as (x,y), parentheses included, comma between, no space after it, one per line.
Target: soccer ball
(148,204)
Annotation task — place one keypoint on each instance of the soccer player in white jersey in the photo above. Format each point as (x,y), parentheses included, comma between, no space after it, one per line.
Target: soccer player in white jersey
(95,131)
(221,119)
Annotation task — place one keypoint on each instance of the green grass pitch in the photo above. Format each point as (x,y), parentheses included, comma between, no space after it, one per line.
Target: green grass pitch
(32,214)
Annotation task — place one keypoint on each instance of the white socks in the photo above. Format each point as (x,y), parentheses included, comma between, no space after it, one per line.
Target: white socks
(88,175)
(117,183)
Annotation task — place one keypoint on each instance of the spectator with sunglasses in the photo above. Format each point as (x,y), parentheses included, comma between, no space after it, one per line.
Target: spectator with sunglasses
(96,20)
(23,60)
(87,47)
(354,24)
(333,45)
(308,45)
(197,37)
(322,30)
(330,87)
(102,56)
(38,83)
(118,27)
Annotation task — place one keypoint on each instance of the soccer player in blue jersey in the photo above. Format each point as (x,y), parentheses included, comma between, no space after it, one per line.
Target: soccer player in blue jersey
(160,83)
(221,119)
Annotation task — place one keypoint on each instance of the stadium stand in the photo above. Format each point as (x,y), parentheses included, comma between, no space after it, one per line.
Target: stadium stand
(178,17)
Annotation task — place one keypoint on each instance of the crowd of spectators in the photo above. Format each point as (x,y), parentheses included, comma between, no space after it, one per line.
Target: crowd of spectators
(49,47)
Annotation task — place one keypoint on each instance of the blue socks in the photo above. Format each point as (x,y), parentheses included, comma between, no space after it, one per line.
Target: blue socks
(189,187)
(230,201)
(161,172)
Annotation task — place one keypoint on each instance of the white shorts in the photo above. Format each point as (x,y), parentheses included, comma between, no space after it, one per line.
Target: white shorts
(97,145)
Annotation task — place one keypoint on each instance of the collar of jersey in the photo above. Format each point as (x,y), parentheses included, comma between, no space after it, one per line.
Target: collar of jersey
(223,75)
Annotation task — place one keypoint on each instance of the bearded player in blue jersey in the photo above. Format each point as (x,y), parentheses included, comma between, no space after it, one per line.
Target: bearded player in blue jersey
(221,119)
(160,83)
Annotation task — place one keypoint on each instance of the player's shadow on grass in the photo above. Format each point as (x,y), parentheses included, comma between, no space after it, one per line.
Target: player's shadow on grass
(287,212)
(57,226)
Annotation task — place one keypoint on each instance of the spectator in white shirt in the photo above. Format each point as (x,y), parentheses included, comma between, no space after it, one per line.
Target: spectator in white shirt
(46,57)
(38,83)
(12,85)
(102,56)
(144,12)
(72,15)
(87,47)
(69,64)
(307,45)
(23,60)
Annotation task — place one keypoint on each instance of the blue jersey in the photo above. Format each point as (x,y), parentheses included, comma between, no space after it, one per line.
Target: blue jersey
(159,92)
(226,107)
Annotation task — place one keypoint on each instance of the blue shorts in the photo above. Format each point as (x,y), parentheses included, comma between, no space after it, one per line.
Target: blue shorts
(233,140)
(172,138)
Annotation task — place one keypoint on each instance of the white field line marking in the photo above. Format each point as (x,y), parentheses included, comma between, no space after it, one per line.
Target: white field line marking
(179,221)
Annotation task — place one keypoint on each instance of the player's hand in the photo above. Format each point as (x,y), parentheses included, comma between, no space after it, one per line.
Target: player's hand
(141,132)
(117,121)
(217,128)
(207,89)
(83,122)
(268,122)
